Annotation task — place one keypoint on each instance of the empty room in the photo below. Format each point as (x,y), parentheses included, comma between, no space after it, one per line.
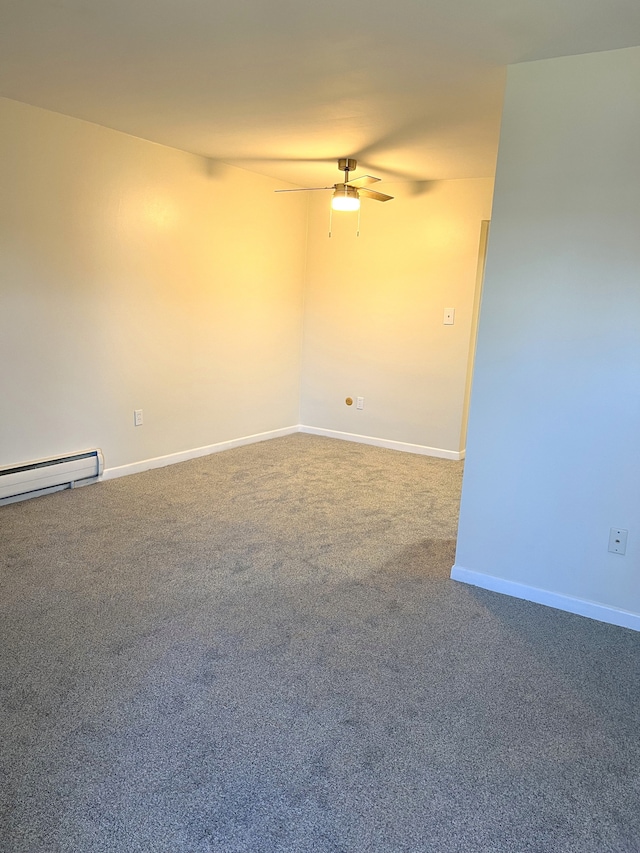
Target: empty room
(319,370)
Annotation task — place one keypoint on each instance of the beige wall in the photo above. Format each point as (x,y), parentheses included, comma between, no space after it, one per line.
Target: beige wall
(374,312)
(136,276)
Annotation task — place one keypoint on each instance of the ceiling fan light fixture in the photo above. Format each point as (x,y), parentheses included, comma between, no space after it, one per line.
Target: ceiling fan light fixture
(345,198)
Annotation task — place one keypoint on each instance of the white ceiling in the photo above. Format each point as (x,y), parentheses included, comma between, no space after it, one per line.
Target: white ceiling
(411,88)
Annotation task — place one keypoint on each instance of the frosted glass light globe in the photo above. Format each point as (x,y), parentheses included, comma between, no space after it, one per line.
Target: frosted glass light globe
(345,198)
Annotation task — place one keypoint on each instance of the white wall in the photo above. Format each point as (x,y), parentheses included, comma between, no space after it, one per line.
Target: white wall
(374,312)
(137,276)
(552,451)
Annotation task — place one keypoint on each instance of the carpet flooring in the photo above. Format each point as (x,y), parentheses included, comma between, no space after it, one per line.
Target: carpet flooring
(261,650)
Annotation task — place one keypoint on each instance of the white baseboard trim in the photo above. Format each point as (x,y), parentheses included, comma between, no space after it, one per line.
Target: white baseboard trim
(194,453)
(590,609)
(184,455)
(420,449)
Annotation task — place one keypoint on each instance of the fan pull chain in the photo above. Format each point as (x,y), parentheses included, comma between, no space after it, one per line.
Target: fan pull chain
(358,231)
(330,219)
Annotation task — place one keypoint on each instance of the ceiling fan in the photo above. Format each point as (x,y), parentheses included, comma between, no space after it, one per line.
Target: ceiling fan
(346,195)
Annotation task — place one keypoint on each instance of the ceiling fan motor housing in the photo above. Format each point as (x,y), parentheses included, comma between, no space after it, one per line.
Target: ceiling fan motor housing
(347,165)
(346,190)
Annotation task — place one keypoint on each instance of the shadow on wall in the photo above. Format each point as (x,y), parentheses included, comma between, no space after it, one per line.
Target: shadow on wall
(214,168)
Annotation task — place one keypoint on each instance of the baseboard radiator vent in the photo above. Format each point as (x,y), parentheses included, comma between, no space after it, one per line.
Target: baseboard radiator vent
(30,479)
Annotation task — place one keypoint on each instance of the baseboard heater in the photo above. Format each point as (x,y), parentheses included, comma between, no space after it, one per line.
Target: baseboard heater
(30,479)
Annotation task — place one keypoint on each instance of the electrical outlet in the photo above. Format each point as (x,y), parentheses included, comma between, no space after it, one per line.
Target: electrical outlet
(618,540)
(137,417)
(359,402)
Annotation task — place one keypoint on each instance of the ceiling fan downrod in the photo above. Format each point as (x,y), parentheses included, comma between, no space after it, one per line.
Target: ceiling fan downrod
(347,165)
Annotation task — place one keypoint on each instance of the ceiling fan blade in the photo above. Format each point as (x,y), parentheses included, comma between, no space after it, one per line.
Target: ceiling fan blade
(375,195)
(363,181)
(304,189)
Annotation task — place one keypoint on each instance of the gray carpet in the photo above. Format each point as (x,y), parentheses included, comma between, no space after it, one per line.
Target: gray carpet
(261,651)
